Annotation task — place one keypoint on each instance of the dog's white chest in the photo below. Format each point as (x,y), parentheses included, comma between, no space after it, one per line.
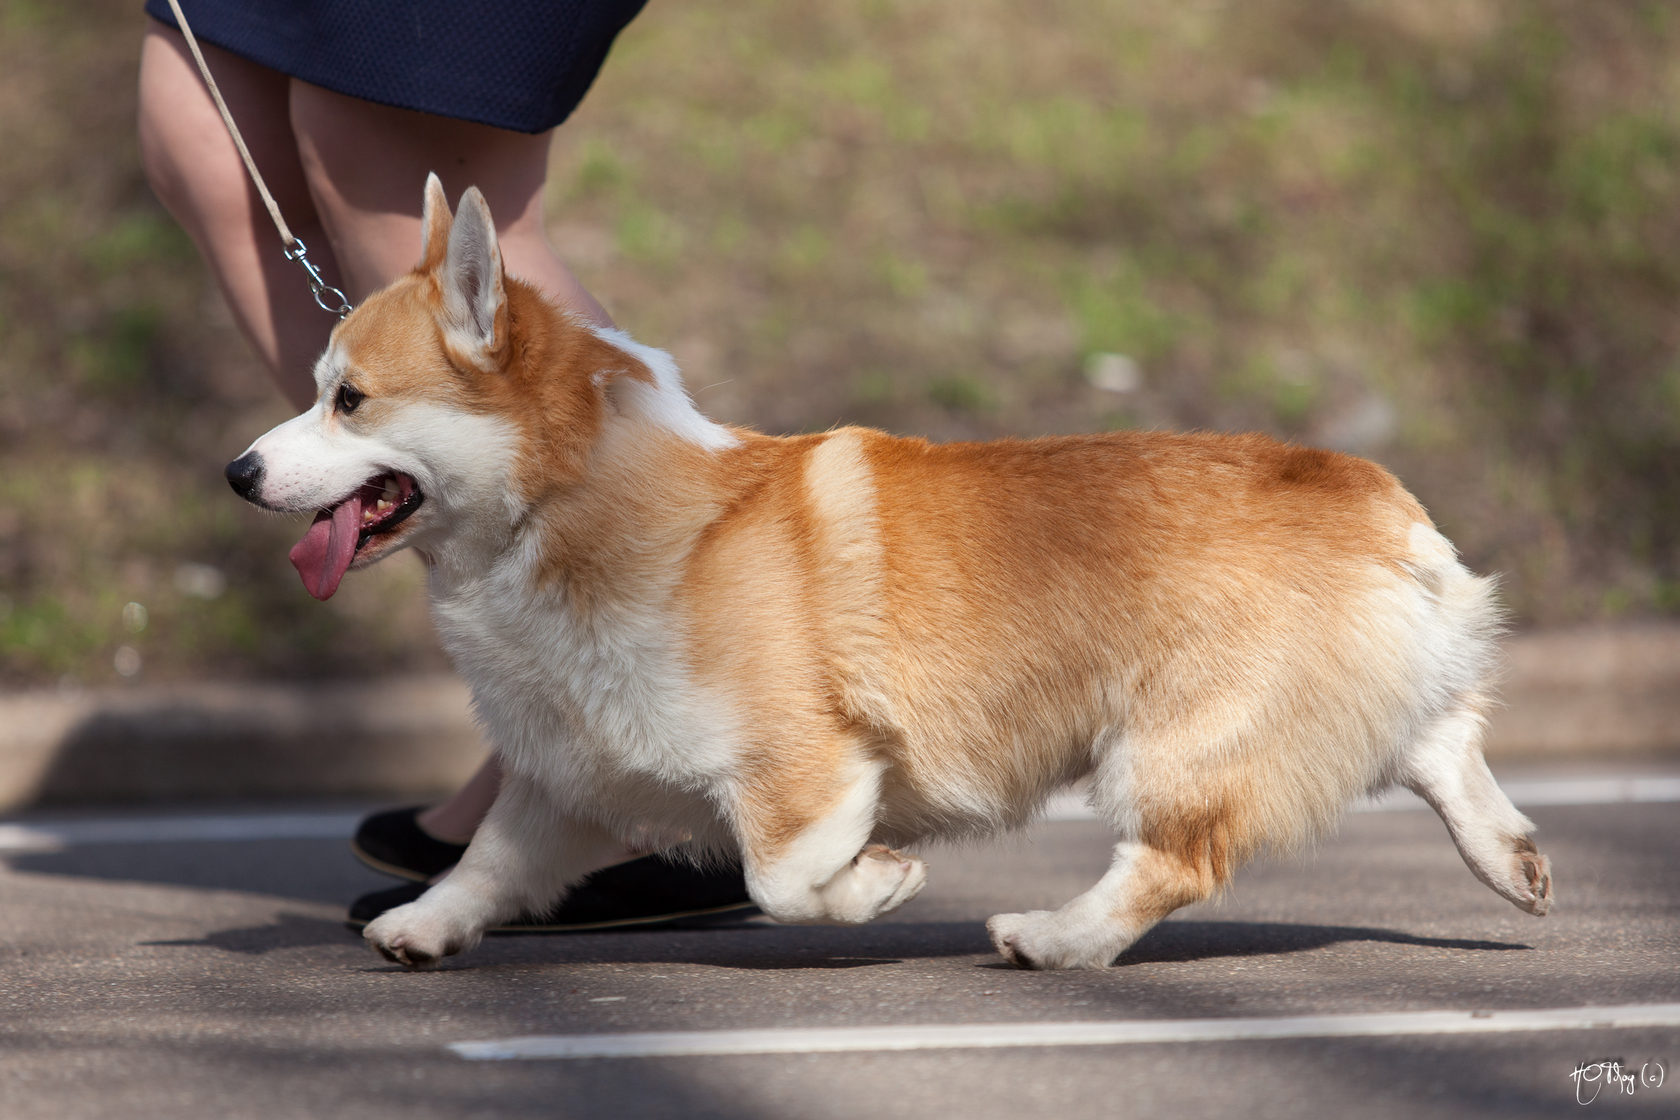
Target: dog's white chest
(597,700)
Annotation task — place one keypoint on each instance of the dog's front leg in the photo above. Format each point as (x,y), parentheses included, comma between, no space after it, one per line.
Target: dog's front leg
(807,853)
(523,857)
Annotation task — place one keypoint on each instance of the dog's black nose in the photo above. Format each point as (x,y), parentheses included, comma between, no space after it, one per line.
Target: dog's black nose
(244,473)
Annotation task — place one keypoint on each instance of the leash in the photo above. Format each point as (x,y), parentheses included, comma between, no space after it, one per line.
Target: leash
(327,298)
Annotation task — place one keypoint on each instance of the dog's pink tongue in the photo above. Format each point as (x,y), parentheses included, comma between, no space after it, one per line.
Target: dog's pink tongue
(324,554)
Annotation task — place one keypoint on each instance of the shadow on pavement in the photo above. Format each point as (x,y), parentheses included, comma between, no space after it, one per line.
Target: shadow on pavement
(287,931)
(756,945)
(323,871)
(1176,942)
(306,870)
(760,945)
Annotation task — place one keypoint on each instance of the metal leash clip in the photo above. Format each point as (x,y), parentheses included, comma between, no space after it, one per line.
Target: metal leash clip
(322,291)
(327,297)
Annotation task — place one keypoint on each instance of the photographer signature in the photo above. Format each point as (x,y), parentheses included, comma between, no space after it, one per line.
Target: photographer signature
(1592,1078)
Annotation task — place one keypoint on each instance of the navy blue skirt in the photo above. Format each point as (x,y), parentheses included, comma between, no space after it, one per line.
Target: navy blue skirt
(518,64)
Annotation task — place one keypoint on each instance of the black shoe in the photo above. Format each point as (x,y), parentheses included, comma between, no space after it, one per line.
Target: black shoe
(644,892)
(393,842)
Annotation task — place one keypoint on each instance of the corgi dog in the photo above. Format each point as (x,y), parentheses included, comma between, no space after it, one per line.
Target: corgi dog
(815,652)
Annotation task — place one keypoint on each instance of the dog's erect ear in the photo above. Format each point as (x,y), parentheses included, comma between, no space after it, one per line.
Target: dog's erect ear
(435,220)
(470,280)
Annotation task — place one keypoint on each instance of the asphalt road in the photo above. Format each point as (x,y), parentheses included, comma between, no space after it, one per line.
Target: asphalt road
(195,965)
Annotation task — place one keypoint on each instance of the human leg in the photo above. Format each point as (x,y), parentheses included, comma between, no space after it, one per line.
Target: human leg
(196,172)
(365,165)
(347,175)
(457,818)
(368,163)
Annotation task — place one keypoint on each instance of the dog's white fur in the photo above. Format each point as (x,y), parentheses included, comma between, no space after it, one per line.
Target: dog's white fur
(804,651)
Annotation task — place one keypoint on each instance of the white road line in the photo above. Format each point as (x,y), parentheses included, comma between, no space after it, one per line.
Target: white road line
(58,835)
(1527,793)
(53,836)
(968,1036)
(1592,791)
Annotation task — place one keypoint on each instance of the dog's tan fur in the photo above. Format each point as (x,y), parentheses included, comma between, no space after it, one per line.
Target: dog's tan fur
(815,649)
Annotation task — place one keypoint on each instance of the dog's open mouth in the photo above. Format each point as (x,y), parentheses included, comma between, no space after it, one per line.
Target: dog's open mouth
(343,533)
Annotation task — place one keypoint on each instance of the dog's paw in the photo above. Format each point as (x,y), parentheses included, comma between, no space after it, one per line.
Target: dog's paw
(1532,879)
(877,882)
(417,935)
(1041,939)
(901,876)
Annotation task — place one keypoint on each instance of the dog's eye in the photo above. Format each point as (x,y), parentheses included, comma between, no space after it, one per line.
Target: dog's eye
(349,398)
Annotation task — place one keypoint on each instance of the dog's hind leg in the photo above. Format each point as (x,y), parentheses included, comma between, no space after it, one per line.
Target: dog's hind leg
(1184,833)
(1143,885)
(523,857)
(806,849)
(1444,766)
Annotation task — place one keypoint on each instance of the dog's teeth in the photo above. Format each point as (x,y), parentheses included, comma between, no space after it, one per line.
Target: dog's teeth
(383,505)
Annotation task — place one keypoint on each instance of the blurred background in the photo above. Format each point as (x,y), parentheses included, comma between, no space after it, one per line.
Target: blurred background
(1444,234)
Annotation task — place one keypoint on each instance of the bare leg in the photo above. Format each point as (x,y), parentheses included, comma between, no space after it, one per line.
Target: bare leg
(366,164)
(458,817)
(196,173)
(347,175)
(360,166)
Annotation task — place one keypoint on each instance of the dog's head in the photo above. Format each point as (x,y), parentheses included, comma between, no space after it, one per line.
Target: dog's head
(447,403)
